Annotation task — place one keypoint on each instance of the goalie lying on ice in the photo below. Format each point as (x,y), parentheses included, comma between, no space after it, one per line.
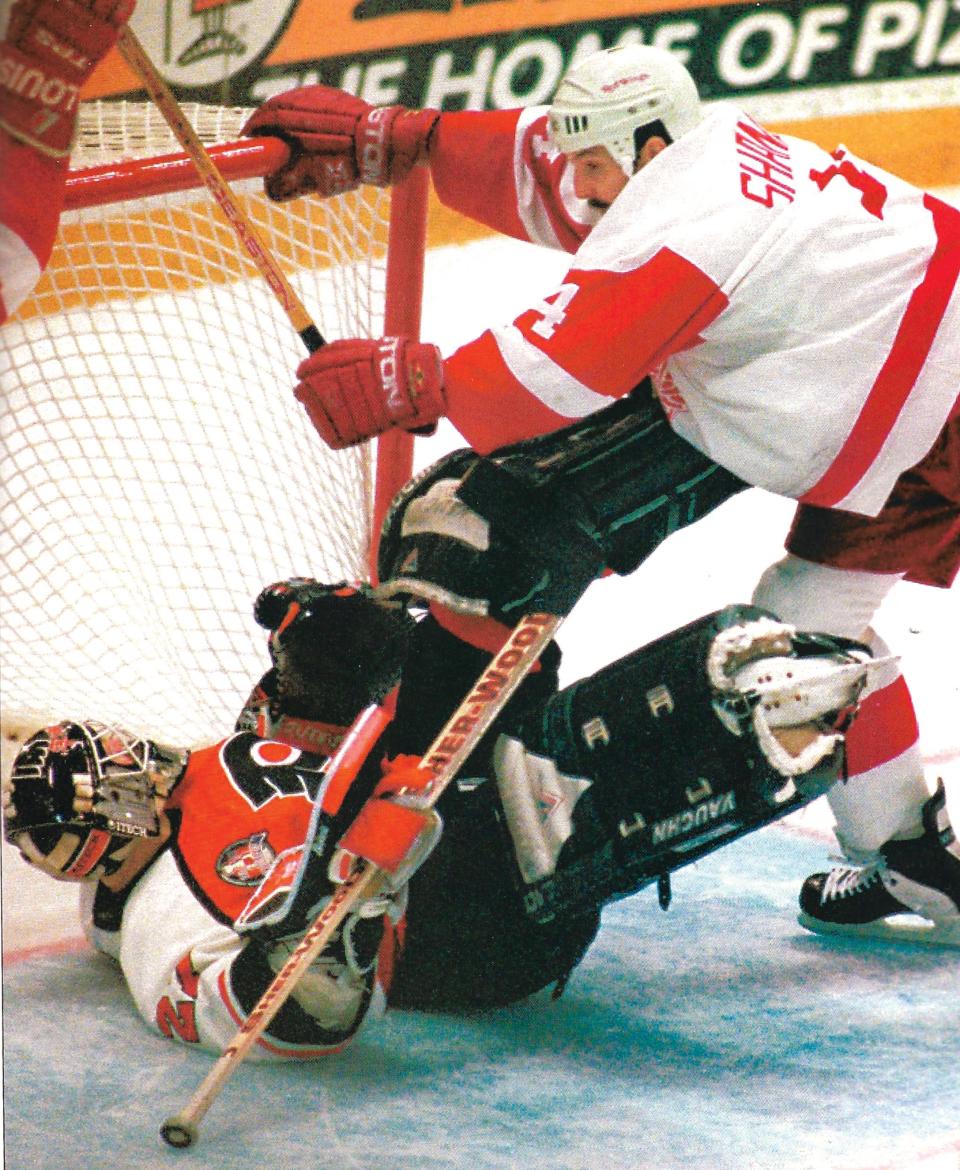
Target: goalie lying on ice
(193,870)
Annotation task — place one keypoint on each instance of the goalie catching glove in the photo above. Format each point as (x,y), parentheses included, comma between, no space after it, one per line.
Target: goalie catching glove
(340,141)
(354,390)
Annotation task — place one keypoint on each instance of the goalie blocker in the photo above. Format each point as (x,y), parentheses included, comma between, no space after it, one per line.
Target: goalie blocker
(670,753)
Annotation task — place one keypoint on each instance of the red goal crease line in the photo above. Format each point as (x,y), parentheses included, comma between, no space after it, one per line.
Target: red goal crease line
(63,946)
(931,1157)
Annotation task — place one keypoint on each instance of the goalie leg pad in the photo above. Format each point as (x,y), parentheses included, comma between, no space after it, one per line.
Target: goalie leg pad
(630,471)
(658,759)
(484,541)
(530,526)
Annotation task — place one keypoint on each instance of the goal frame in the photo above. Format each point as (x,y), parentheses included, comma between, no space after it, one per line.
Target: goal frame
(253,158)
(165,670)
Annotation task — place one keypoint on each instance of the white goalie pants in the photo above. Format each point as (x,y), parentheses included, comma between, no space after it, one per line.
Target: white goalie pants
(885,789)
(176,960)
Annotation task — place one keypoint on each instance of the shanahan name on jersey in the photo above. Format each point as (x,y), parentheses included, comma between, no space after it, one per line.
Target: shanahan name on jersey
(798,310)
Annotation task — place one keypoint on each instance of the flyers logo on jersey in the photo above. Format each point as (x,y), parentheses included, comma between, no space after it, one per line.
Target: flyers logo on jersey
(262,770)
(246,862)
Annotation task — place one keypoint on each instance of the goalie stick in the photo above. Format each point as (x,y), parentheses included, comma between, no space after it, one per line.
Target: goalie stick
(159,92)
(449,750)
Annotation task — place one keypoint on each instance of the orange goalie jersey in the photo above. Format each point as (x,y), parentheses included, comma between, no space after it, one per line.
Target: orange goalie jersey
(240,803)
(192,977)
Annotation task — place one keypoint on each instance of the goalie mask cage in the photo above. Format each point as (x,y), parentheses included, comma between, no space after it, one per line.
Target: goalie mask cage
(157,471)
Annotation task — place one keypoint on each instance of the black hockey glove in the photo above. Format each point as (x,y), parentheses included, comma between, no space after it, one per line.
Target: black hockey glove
(335,648)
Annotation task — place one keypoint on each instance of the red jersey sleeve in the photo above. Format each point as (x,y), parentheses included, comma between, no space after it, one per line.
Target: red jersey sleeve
(471,164)
(499,168)
(592,340)
(31,199)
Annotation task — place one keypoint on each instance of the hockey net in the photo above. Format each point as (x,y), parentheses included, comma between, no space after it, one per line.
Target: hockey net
(157,471)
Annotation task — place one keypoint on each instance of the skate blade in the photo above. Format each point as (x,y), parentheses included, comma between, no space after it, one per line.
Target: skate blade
(896,930)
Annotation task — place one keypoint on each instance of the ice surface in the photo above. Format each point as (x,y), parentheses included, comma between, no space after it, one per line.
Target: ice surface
(717,1036)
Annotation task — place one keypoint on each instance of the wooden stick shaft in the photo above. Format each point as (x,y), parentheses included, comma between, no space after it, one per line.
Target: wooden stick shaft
(362,883)
(246,232)
(449,750)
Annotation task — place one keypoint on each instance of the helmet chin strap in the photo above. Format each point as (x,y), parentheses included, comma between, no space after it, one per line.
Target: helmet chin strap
(628,163)
(629,159)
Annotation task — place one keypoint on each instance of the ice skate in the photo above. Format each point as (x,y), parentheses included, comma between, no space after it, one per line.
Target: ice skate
(911,893)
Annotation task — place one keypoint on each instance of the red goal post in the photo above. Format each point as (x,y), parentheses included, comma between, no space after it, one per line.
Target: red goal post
(156,470)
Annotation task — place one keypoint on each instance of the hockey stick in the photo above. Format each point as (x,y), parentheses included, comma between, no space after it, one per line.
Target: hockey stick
(159,92)
(165,174)
(456,740)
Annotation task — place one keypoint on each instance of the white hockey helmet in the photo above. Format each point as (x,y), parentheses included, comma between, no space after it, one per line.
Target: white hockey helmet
(80,793)
(605,99)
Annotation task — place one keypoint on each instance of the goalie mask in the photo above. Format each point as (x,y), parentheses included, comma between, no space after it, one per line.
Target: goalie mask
(80,794)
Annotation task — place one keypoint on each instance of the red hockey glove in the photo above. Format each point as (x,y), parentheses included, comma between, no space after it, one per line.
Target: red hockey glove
(341,140)
(353,390)
(51,48)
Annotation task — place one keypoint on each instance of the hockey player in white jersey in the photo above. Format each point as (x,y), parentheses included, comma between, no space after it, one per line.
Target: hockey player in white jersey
(49,49)
(797,311)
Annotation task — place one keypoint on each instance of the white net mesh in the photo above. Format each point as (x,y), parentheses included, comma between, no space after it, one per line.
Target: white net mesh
(157,471)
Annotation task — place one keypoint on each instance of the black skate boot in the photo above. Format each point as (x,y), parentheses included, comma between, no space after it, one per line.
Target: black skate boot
(916,877)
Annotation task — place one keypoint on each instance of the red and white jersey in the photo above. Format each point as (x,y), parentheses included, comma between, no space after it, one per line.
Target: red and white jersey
(241,802)
(798,311)
(31,199)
